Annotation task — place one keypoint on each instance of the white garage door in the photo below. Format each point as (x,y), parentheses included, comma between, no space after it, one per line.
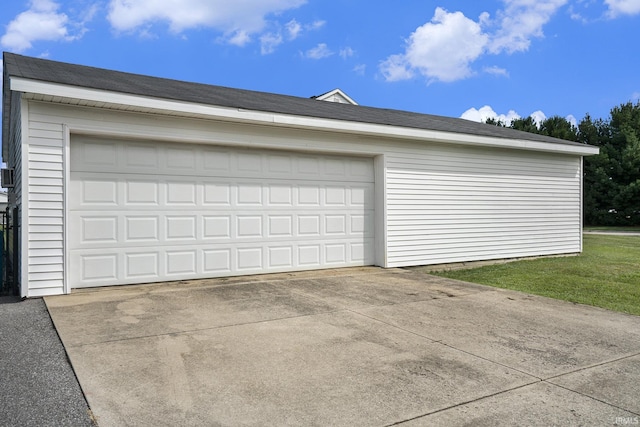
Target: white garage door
(146,212)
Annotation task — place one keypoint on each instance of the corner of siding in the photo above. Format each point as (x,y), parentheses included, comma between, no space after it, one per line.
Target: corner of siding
(43,187)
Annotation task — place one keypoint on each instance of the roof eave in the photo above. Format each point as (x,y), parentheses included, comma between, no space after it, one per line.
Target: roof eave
(107,99)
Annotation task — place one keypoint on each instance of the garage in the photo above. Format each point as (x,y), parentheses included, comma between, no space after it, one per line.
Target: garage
(148,211)
(120,178)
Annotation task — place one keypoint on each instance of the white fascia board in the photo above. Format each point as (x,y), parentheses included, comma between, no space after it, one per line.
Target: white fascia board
(284,120)
(432,135)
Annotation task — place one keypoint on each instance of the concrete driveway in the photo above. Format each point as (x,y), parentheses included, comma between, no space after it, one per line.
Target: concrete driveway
(361,346)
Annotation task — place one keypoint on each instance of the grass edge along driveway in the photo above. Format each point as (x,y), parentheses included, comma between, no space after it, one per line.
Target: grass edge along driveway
(606,274)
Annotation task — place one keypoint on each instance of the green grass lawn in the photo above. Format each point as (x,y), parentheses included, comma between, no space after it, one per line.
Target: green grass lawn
(606,275)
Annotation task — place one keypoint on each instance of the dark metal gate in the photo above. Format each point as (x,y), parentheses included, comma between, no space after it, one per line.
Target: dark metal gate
(10,250)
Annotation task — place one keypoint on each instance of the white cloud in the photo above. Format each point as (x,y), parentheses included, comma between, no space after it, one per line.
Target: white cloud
(520,21)
(622,7)
(41,21)
(238,37)
(315,25)
(441,49)
(487,112)
(293,29)
(538,117)
(360,69)
(445,48)
(319,52)
(269,42)
(577,15)
(347,52)
(496,71)
(481,115)
(237,20)
(396,68)
(635,96)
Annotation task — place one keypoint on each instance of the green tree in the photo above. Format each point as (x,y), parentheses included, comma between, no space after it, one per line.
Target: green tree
(598,188)
(624,151)
(527,124)
(612,178)
(559,127)
(495,122)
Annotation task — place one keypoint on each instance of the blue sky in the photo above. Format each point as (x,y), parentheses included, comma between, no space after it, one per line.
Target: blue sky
(474,59)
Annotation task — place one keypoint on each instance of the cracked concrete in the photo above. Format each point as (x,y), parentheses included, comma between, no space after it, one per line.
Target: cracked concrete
(362,346)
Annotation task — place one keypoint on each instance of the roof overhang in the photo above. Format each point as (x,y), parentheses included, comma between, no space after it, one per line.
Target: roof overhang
(80,96)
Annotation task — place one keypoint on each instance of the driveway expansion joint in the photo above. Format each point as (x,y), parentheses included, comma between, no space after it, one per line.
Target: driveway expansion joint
(464,403)
(594,365)
(591,397)
(441,342)
(190,331)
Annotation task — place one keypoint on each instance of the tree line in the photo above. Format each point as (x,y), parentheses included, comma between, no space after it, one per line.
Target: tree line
(611,178)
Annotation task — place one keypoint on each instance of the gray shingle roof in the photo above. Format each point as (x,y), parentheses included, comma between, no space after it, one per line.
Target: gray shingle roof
(136,84)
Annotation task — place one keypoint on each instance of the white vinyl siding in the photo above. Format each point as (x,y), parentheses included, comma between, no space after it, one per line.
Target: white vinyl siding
(456,204)
(45,206)
(434,203)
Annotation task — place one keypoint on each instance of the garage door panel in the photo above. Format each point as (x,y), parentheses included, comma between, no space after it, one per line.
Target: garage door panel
(142,265)
(98,229)
(358,252)
(94,154)
(216,261)
(145,193)
(280,257)
(180,227)
(96,192)
(280,226)
(335,253)
(309,225)
(280,164)
(105,191)
(180,193)
(140,157)
(180,263)
(216,227)
(216,194)
(216,162)
(182,159)
(249,226)
(279,195)
(239,212)
(101,267)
